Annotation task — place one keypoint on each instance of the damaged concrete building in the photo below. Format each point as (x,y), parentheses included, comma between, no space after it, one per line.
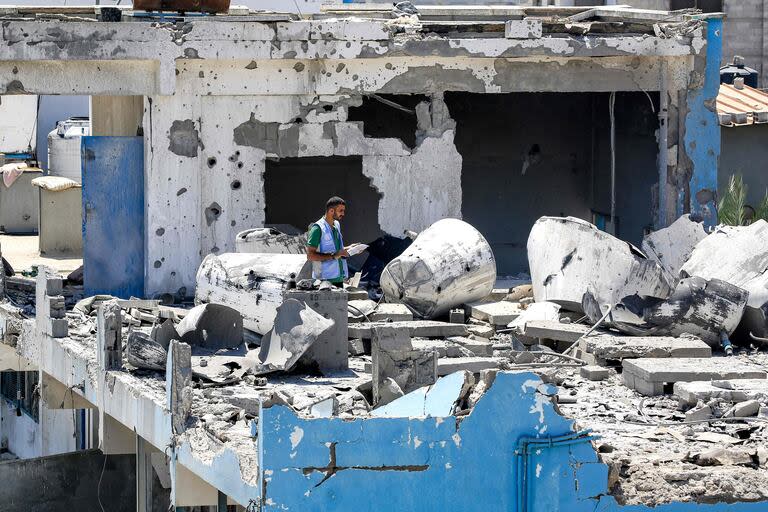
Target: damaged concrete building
(207,129)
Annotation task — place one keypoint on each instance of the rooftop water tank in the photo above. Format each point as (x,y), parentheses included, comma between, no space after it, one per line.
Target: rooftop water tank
(64,147)
(737,69)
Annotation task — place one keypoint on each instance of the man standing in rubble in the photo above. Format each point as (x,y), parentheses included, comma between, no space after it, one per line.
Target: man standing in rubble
(325,245)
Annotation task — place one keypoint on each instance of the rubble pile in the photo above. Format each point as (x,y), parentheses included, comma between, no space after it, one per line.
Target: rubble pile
(637,343)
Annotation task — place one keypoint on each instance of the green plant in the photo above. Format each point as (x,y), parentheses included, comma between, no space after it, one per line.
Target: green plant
(730,211)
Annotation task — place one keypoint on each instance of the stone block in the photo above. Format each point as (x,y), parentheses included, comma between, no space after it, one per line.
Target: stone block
(479,347)
(699,413)
(495,313)
(594,372)
(456,316)
(330,350)
(391,312)
(416,328)
(606,347)
(471,364)
(744,409)
(732,390)
(551,330)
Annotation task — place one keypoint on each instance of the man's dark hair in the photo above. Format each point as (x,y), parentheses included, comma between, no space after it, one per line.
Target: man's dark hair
(334,202)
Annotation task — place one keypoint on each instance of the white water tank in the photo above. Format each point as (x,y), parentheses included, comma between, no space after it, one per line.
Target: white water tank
(64,147)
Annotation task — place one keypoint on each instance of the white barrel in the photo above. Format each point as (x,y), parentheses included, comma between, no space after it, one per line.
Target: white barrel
(64,147)
(253,284)
(448,264)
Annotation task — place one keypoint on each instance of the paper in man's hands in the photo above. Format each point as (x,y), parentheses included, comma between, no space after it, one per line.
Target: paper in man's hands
(356,249)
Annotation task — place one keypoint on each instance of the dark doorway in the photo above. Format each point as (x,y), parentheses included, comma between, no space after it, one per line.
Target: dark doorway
(296,190)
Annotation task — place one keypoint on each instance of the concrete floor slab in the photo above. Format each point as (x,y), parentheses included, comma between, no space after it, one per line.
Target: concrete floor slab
(606,347)
(732,390)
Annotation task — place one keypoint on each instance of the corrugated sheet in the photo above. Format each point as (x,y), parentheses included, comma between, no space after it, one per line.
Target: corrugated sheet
(741,107)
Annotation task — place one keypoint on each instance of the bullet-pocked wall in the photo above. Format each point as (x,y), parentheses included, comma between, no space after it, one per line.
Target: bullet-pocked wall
(531,154)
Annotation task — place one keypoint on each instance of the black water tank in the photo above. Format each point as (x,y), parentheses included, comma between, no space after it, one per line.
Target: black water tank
(738,69)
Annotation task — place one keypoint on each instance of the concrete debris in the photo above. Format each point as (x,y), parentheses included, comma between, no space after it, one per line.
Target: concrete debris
(329,352)
(296,328)
(221,366)
(416,328)
(702,413)
(648,376)
(672,246)
(178,384)
(591,372)
(546,311)
(109,336)
(569,257)
(450,263)
(479,347)
(470,364)
(554,330)
(720,456)
(495,313)
(610,350)
(164,332)
(519,293)
(392,312)
(270,241)
(393,357)
(736,255)
(211,326)
(743,409)
(703,308)
(252,284)
(732,390)
(143,352)
(387,391)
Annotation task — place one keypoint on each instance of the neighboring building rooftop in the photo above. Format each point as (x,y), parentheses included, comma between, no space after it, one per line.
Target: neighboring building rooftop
(741,105)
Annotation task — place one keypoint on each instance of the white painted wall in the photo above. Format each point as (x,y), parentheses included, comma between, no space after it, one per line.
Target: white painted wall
(21,434)
(17,123)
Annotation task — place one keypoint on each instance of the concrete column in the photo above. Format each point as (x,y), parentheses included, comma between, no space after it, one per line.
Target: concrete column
(178,385)
(108,336)
(144,476)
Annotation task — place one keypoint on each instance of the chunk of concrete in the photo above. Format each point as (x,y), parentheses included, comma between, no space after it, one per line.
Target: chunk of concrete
(443,348)
(178,384)
(164,332)
(495,313)
(438,400)
(554,330)
(329,352)
(520,292)
(703,308)
(648,376)
(416,328)
(470,364)
(569,256)
(456,316)
(142,351)
(389,391)
(387,311)
(671,247)
(360,310)
(596,373)
(410,369)
(478,347)
(743,409)
(699,413)
(211,326)
(733,390)
(296,328)
(605,348)
(108,336)
(546,311)
(450,263)
(719,456)
(737,255)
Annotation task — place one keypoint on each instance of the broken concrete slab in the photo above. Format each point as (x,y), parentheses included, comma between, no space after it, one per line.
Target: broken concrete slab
(392,358)
(211,326)
(143,352)
(743,409)
(604,349)
(648,376)
(480,330)
(671,247)
(546,311)
(554,330)
(387,311)
(360,310)
(221,366)
(443,348)
(478,347)
(720,456)
(495,313)
(595,373)
(438,400)
(703,308)
(450,263)
(164,332)
(569,256)
(471,364)
(296,327)
(732,390)
(416,328)
(329,352)
(702,413)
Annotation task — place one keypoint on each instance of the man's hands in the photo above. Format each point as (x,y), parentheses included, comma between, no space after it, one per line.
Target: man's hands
(341,254)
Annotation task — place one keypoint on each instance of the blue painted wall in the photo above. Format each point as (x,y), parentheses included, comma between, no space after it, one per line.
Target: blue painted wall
(436,464)
(702,132)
